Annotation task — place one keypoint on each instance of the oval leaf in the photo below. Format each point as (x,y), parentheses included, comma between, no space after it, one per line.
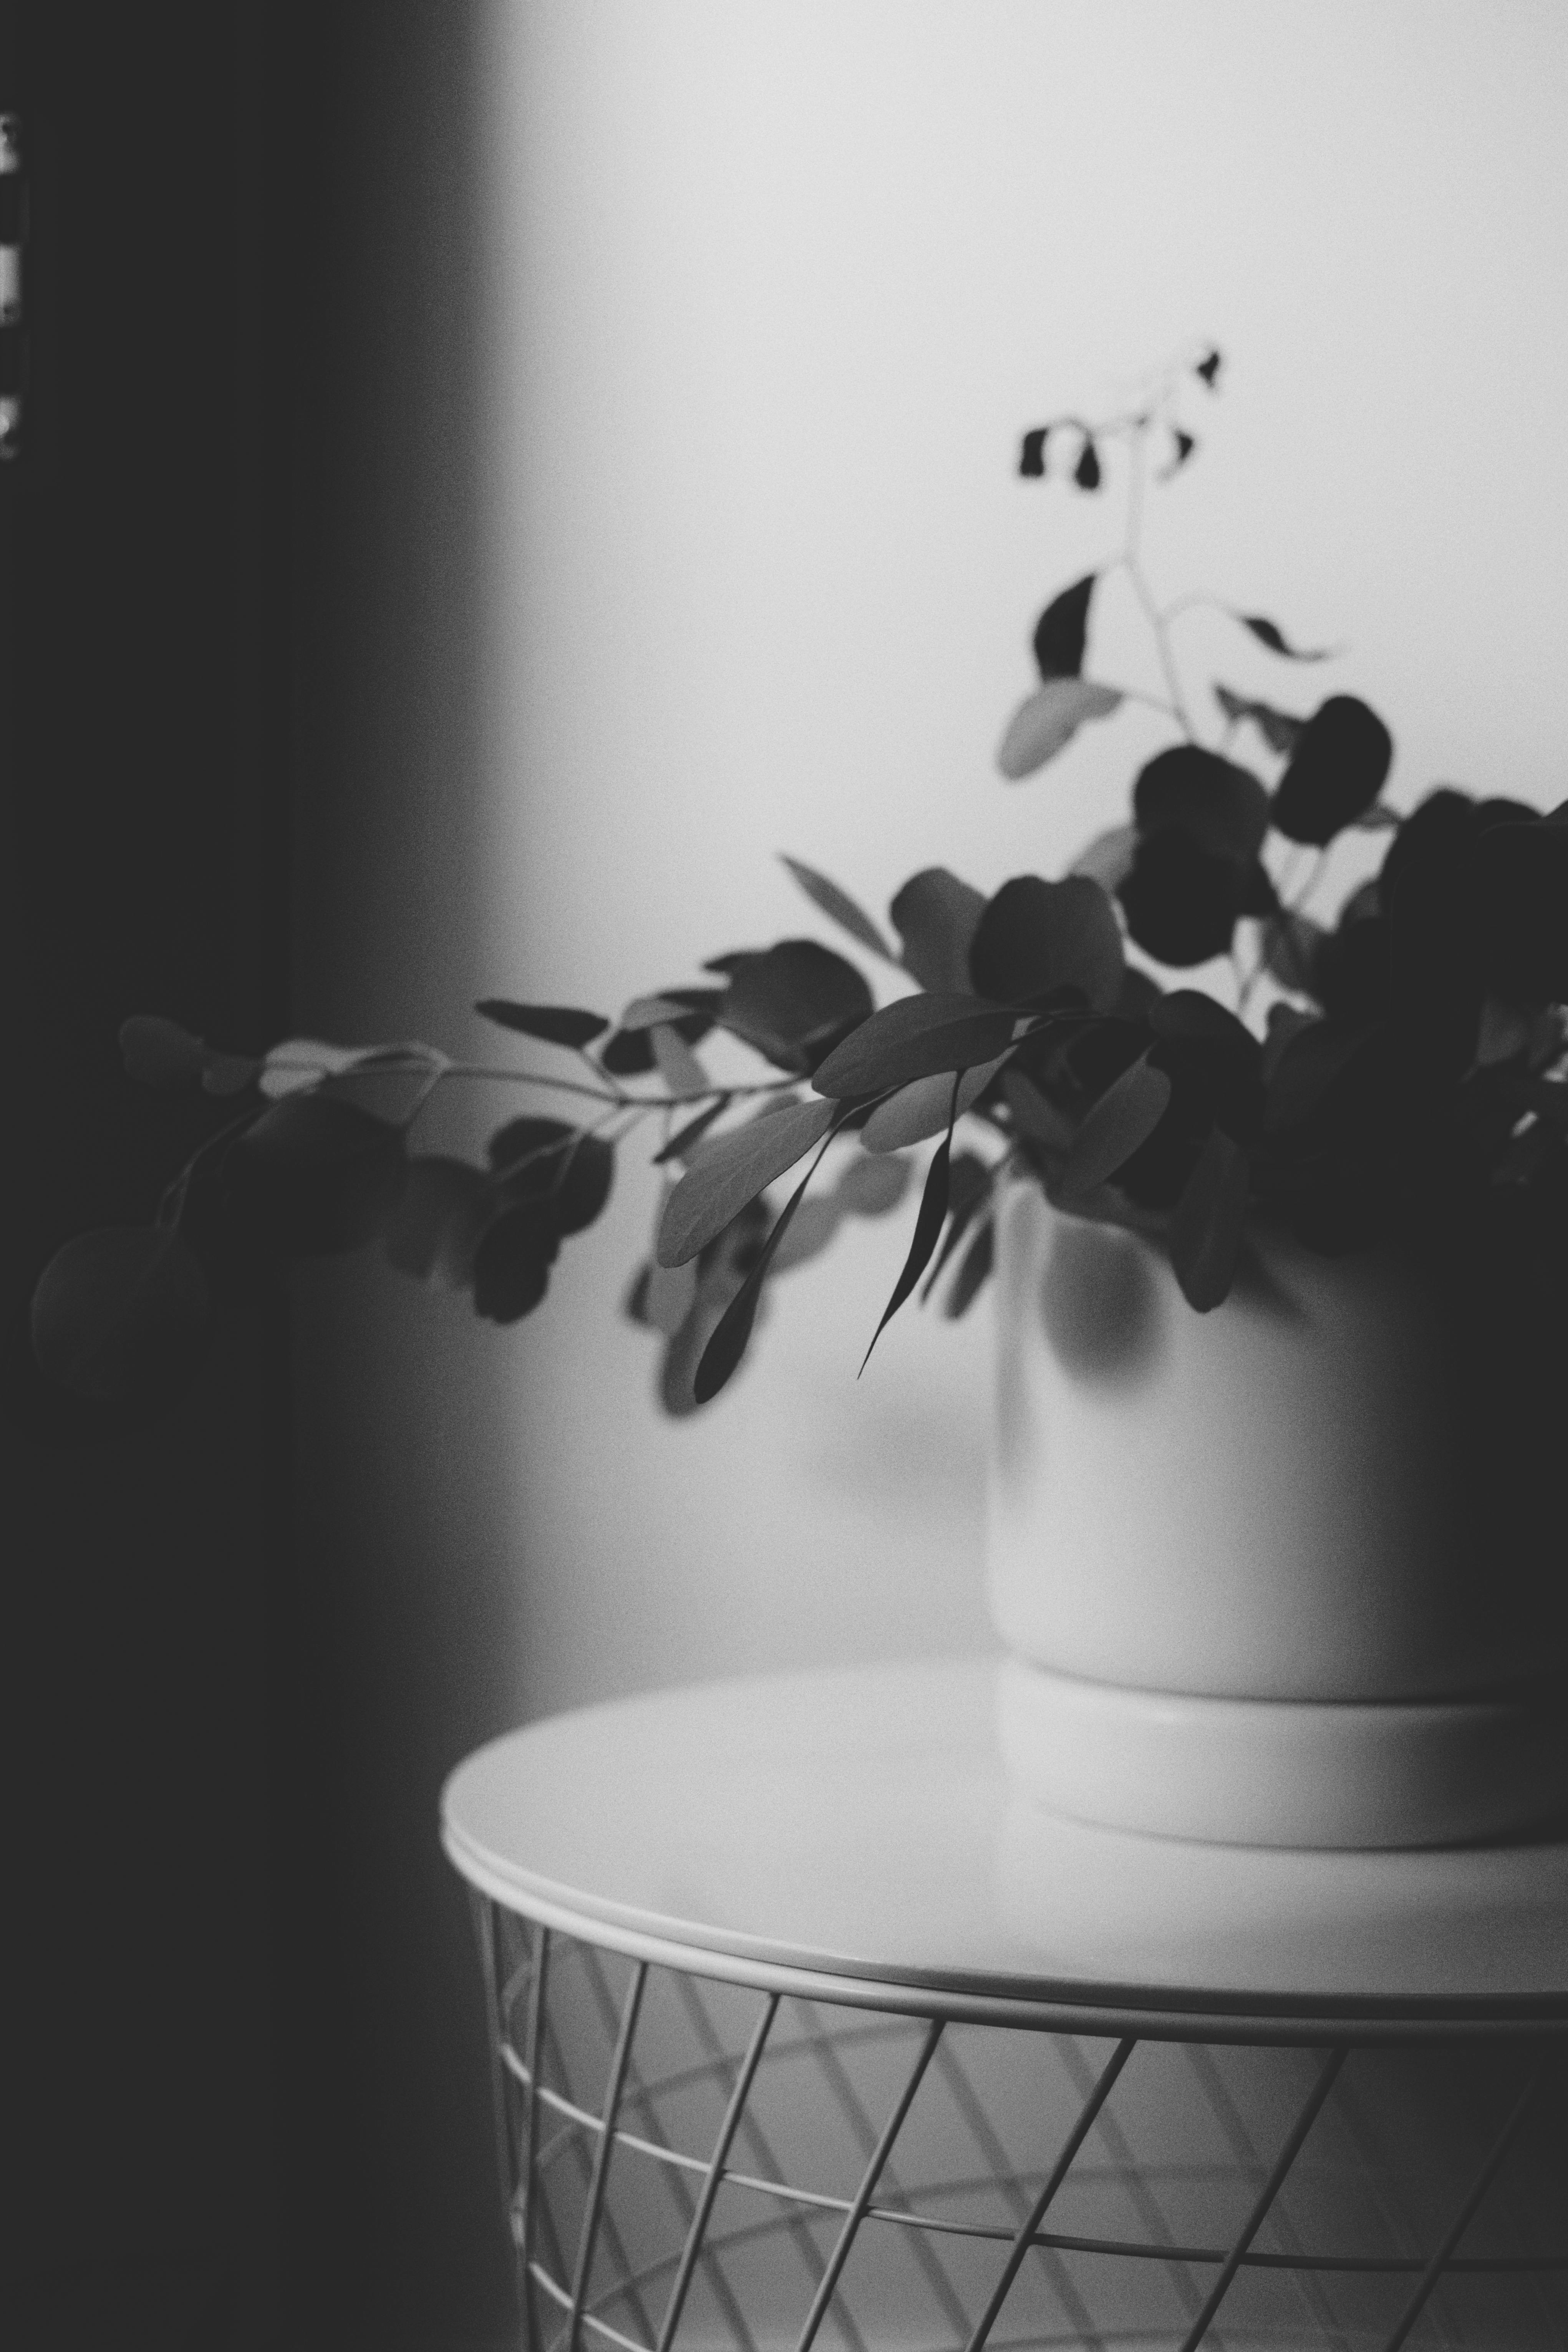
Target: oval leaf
(921,1110)
(121,1314)
(1035,938)
(732,1170)
(647,1012)
(1047,721)
(1207,1222)
(934,915)
(1335,773)
(1115,1126)
(558,1024)
(912,1039)
(1061,629)
(837,903)
(159,1052)
(1221,807)
(1181,905)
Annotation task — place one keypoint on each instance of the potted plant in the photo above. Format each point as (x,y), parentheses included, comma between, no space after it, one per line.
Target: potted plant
(1281,1259)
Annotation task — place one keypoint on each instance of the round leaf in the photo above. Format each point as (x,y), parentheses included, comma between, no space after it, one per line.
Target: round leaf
(934,915)
(1037,938)
(121,1314)
(1222,808)
(1208,1221)
(1335,774)
(793,1000)
(1181,904)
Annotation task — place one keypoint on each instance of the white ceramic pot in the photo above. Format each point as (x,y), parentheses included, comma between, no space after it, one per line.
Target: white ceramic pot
(1288,1573)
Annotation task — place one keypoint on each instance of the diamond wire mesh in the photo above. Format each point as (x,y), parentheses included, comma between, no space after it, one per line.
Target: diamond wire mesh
(692,2163)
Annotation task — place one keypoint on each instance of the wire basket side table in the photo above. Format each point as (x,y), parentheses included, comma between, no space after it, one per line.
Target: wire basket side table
(708,2138)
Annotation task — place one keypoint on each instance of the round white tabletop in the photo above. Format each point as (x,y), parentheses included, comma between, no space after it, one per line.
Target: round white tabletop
(851,1834)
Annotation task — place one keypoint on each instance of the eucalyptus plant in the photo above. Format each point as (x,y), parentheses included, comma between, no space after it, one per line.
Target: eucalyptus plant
(1394,1076)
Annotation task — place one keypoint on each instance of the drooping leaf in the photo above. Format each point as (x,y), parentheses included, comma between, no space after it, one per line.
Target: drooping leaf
(1336,771)
(1087,472)
(968,1191)
(1219,806)
(678,1066)
(1181,905)
(1268,633)
(927,1233)
(1124,1118)
(732,1170)
(313,1176)
(921,1109)
(545,1163)
(512,1263)
(159,1052)
(974,1271)
(1278,728)
(1062,629)
(120,1315)
(1035,938)
(728,1344)
(913,1039)
(871,1186)
(1047,721)
(1208,1222)
(557,1025)
(434,1229)
(934,915)
(685,1140)
(1108,860)
(837,903)
(793,1000)
(1032,452)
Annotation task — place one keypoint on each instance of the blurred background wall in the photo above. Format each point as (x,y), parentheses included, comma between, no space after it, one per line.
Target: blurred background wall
(639,390)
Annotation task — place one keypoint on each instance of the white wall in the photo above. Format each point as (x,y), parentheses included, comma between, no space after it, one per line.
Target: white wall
(775,287)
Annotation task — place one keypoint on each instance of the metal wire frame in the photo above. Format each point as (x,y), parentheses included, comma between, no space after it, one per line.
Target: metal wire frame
(548,2282)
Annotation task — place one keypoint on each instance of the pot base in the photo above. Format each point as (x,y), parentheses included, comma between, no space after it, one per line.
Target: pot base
(1285,1772)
